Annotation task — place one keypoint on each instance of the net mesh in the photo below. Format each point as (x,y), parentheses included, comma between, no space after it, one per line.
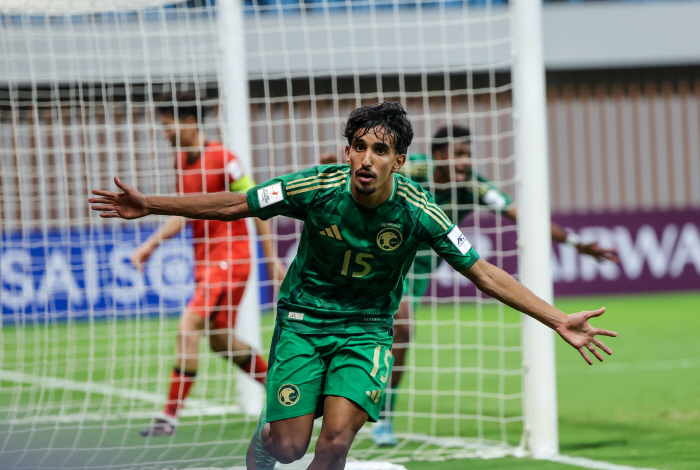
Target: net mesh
(87,341)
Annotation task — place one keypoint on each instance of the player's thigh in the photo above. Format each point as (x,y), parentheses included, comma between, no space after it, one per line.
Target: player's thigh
(342,419)
(360,370)
(291,436)
(231,285)
(208,294)
(295,375)
(191,322)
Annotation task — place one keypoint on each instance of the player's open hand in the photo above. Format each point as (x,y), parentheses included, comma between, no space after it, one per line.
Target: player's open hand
(599,253)
(582,335)
(130,204)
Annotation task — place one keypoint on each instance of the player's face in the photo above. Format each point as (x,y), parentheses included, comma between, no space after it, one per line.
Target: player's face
(185,134)
(372,160)
(457,156)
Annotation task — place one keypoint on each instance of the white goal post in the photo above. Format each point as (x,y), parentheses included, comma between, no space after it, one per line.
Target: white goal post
(534,236)
(236,105)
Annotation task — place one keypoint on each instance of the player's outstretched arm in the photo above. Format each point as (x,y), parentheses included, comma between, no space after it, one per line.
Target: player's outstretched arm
(560,235)
(131,204)
(574,329)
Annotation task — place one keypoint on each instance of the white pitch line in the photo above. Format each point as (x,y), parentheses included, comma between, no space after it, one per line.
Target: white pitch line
(194,407)
(594,464)
(87,387)
(87,417)
(304,462)
(608,367)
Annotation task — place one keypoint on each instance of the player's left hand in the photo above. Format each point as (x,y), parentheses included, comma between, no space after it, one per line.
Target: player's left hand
(582,335)
(130,204)
(599,253)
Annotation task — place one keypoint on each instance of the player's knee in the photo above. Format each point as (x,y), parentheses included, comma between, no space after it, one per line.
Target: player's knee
(290,451)
(289,446)
(335,444)
(218,344)
(190,322)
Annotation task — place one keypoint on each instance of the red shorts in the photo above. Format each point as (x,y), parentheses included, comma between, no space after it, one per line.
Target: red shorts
(218,290)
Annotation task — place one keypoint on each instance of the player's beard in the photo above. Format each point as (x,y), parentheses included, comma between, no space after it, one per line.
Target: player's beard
(365,191)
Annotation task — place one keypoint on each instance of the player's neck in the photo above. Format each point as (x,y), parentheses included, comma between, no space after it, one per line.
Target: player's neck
(440,177)
(196,150)
(376,198)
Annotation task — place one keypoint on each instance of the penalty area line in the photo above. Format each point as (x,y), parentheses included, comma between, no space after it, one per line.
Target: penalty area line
(594,464)
(194,407)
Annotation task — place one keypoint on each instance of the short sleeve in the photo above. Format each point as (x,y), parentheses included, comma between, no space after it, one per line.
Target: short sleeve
(454,248)
(442,235)
(294,194)
(270,199)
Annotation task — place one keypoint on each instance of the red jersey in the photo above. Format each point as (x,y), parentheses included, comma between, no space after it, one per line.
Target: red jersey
(215,170)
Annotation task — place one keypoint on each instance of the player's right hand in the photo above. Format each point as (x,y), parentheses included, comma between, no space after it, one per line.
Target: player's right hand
(130,204)
(140,255)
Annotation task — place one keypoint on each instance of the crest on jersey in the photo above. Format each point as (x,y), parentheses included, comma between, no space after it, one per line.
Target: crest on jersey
(389,239)
(288,394)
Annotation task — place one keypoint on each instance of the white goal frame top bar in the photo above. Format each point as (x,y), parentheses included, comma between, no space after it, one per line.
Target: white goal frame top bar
(441,34)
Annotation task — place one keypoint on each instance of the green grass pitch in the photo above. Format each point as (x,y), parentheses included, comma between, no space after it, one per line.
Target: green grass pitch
(640,408)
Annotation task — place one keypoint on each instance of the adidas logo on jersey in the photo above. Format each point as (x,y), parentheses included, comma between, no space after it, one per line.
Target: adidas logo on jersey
(332,232)
(374,395)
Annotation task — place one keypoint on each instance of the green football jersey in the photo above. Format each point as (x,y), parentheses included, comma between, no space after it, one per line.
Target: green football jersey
(347,276)
(457,200)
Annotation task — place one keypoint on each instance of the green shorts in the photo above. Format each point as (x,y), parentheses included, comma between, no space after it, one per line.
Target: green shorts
(305,368)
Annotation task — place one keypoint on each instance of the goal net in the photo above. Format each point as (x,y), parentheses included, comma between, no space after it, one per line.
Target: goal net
(87,341)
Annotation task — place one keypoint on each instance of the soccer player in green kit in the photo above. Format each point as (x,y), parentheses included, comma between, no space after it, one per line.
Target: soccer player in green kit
(457,189)
(331,350)
(448,175)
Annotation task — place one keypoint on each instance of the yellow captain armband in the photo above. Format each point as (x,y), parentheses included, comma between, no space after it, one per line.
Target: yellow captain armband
(242,184)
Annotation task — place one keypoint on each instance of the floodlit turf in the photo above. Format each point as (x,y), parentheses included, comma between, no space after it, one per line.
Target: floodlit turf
(640,408)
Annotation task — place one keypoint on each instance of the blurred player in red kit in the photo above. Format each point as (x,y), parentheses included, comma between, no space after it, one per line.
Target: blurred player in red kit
(221,254)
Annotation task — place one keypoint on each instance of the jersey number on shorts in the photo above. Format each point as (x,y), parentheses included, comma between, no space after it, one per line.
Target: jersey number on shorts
(360,260)
(375,369)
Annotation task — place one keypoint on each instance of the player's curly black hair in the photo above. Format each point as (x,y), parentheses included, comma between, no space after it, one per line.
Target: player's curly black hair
(391,117)
(186,103)
(445,134)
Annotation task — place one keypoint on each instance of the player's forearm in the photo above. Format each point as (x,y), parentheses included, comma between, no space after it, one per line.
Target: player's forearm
(216,206)
(558,233)
(500,285)
(168,230)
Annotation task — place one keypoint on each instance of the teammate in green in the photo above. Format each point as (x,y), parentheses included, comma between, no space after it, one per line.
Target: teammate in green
(331,351)
(457,189)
